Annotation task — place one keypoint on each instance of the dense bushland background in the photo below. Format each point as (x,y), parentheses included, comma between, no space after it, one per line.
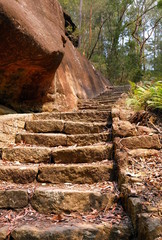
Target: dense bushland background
(122,38)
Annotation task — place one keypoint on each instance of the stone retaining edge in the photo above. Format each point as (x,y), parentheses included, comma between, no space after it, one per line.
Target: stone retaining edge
(145,225)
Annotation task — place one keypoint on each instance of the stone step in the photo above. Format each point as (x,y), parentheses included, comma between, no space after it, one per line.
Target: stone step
(107,100)
(13,197)
(140,152)
(109,94)
(88,139)
(35,226)
(115,90)
(145,141)
(20,173)
(50,198)
(54,140)
(98,108)
(72,232)
(97,103)
(57,173)
(26,154)
(76,173)
(113,97)
(86,154)
(72,198)
(42,139)
(123,88)
(85,116)
(67,127)
(95,106)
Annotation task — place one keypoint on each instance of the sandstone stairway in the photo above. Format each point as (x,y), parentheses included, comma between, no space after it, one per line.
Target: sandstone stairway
(58,180)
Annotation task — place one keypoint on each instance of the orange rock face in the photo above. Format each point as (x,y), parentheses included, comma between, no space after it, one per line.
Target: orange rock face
(40,70)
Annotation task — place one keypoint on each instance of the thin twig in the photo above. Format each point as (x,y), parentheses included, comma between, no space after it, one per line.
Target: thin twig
(155,127)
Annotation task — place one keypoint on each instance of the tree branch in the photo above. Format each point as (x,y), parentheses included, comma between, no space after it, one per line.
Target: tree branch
(98,37)
(152,30)
(142,14)
(135,32)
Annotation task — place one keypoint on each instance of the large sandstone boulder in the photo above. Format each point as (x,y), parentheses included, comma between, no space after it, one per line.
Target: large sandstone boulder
(40,69)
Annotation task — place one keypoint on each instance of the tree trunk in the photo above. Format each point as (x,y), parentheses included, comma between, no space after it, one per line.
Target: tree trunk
(80,21)
(155,35)
(90,28)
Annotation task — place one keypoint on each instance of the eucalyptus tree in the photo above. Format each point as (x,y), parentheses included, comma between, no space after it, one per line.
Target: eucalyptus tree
(120,37)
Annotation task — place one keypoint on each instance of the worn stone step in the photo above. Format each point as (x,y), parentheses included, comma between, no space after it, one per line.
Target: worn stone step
(25,154)
(35,226)
(113,97)
(85,116)
(76,173)
(72,232)
(107,101)
(111,91)
(140,152)
(13,198)
(109,94)
(95,105)
(50,198)
(86,154)
(84,128)
(72,198)
(68,127)
(97,102)
(144,141)
(53,140)
(42,139)
(57,173)
(22,174)
(123,88)
(99,108)
(107,97)
(88,139)
(96,108)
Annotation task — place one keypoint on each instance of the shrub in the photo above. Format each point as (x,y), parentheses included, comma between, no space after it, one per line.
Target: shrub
(146,95)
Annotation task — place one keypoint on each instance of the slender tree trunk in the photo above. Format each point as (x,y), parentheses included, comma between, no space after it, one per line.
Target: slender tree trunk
(143,50)
(80,21)
(155,35)
(90,26)
(143,61)
(98,37)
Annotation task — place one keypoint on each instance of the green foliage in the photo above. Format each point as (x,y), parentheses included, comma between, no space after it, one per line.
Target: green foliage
(146,95)
(159,4)
(133,86)
(120,48)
